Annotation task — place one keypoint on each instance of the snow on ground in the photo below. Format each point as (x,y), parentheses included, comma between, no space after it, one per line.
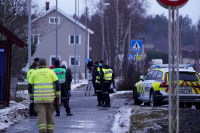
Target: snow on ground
(119,92)
(12,114)
(122,120)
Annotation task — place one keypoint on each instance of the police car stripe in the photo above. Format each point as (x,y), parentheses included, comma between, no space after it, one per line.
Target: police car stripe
(195,90)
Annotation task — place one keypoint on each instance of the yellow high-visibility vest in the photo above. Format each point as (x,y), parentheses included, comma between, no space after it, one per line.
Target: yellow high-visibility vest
(42,80)
(98,76)
(28,75)
(107,74)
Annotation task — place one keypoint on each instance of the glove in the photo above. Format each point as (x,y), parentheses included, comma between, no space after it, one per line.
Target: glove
(69,92)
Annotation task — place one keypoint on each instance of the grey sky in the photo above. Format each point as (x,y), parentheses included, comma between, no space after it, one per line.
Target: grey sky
(192,8)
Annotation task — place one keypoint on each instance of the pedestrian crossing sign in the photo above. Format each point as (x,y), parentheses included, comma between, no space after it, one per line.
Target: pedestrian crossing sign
(136,45)
(130,56)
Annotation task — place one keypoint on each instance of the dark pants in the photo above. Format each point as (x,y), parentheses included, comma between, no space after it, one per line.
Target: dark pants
(64,99)
(94,84)
(99,93)
(105,92)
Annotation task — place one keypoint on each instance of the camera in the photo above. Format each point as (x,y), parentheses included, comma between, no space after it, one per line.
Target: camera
(90,66)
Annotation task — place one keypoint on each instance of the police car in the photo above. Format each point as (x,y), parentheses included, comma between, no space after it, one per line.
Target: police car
(153,89)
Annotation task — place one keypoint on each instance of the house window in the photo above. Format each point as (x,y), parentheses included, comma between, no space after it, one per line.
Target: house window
(72,60)
(52,20)
(35,39)
(53,58)
(72,39)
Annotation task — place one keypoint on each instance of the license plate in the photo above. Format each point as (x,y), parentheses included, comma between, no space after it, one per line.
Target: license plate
(185,90)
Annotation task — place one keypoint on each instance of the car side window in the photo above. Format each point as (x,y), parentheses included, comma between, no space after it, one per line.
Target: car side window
(154,75)
(159,76)
(149,75)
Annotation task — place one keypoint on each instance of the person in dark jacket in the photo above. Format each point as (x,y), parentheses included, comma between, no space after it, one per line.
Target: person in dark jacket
(105,79)
(96,64)
(64,90)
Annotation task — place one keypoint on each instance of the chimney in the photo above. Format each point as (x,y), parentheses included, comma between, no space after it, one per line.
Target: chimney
(47,6)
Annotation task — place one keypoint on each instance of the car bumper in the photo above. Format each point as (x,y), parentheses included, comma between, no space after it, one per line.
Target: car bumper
(163,96)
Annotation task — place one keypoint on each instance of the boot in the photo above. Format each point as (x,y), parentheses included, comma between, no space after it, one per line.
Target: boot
(99,104)
(57,113)
(68,112)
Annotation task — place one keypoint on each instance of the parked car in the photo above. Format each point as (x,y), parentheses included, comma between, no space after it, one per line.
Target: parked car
(153,88)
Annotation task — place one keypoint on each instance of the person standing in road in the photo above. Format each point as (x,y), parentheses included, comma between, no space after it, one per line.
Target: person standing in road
(34,67)
(96,64)
(98,84)
(44,87)
(62,75)
(105,79)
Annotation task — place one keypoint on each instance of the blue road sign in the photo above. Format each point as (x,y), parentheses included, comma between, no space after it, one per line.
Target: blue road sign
(136,45)
(130,56)
(87,60)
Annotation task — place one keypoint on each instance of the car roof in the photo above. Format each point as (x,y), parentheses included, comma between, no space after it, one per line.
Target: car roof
(180,69)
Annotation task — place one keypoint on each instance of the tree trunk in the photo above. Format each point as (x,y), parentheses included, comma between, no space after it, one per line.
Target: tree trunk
(117,33)
(109,57)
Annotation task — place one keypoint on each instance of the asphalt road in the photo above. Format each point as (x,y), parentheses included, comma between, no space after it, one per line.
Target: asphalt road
(87,116)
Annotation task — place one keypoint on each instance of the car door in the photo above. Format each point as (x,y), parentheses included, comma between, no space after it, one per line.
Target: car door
(148,84)
(142,84)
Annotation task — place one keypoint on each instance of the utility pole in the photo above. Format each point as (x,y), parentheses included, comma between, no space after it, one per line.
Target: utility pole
(56,29)
(103,35)
(78,45)
(86,45)
(129,38)
(29,33)
(197,52)
(75,48)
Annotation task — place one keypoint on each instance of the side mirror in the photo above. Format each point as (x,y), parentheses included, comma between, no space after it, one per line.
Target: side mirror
(142,77)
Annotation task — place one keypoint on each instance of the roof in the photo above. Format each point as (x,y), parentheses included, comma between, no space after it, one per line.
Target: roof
(66,15)
(180,69)
(10,36)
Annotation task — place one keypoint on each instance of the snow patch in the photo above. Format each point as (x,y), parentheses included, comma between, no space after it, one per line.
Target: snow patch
(122,120)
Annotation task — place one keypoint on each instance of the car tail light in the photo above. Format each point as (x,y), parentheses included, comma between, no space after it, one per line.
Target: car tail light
(164,83)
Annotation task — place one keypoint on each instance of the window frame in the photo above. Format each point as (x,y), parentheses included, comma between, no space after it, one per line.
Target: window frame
(33,38)
(79,40)
(53,56)
(54,20)
(72,56)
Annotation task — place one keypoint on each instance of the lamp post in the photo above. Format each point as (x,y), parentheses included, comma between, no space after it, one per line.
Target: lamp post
(56,29)
(104,4)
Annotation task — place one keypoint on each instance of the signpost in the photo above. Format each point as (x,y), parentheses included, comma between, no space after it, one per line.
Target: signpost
(136,45)
(173,60)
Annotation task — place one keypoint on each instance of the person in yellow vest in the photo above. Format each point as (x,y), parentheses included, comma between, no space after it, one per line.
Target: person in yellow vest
(98,84)
(34,66)
(62,76)
(43,88)
(105,79)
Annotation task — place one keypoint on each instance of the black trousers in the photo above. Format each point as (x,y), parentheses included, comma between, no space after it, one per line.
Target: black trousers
(94,84)
(105,92)
(64,99)
(99,93)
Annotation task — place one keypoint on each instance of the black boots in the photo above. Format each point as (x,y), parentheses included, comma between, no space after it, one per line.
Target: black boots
(99,104)
(68,112)
(57,113)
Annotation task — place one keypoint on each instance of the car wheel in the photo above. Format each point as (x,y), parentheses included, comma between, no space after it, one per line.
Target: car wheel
(135,97)
(197,106)
(152,100)
(189,105)
(181,105)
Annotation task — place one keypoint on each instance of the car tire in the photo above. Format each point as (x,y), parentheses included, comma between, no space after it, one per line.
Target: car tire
(197,106)
(152,100)
(181,105)
(135,97)
(189,105)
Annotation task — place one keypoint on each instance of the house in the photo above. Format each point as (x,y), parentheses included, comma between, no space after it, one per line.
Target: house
(44,36)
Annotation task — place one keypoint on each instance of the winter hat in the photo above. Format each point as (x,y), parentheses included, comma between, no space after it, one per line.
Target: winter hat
(97,62)
(57,63)
(101,61)
(36,59)
(64,63)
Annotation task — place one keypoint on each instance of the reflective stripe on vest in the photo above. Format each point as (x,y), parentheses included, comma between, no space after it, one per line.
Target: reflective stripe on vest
(98,76)
(107,74)
(60,72)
